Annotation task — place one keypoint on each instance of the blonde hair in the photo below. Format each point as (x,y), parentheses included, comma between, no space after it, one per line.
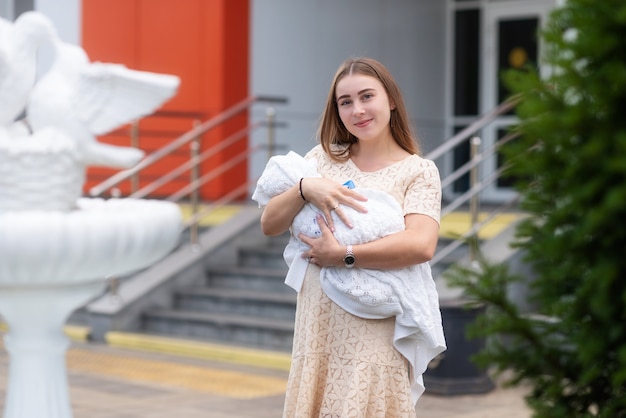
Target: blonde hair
(332,131)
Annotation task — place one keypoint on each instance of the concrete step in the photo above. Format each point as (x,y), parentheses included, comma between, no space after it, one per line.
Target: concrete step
(248,277)
(458,254)
(250,331)
(254,303)
(269,255)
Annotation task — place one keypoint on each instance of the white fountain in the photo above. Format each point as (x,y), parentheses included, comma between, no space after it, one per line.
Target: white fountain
(57,249)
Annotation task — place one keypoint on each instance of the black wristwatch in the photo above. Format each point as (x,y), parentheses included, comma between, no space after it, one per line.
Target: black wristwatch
(349,258)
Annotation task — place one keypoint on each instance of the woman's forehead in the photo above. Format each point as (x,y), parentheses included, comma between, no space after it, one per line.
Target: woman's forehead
(356,83)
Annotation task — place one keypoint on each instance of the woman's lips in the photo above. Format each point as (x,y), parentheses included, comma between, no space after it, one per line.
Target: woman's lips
(362,123)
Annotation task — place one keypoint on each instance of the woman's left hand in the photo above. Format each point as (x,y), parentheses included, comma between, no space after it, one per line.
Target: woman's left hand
(324,251)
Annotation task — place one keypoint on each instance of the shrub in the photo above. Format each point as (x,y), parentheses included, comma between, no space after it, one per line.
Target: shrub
(570,162)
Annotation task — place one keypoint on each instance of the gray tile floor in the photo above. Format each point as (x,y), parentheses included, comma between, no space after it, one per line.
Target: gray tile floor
(110,382)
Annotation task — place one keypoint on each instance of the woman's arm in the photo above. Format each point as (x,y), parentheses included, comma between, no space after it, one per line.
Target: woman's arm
(280,211)
(414,245)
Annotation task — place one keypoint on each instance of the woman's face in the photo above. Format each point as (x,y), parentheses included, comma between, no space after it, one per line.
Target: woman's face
(364,107)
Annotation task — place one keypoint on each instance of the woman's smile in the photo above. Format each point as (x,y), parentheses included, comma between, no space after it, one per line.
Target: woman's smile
(363,123)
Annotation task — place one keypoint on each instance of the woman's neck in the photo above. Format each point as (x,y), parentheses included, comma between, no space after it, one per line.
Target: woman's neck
(375,156)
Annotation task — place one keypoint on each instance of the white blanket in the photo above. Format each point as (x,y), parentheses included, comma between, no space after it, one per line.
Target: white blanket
(409,293)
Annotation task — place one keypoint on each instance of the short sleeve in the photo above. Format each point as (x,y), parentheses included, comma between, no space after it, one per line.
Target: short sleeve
(423,194)
(314,153)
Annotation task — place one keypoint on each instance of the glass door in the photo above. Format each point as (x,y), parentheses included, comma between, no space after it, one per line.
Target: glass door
(510,41)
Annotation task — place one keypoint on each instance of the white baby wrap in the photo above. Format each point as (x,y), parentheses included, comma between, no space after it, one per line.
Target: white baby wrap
(409,293)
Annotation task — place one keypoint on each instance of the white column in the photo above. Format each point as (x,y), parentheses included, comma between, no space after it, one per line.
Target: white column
(36,343)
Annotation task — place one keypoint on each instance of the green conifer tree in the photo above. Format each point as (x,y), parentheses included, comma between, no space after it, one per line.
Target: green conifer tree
(570,162)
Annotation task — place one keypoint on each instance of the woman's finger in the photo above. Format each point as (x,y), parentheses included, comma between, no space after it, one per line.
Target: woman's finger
(344,218)
(305,239)
(352,198)
(326,223)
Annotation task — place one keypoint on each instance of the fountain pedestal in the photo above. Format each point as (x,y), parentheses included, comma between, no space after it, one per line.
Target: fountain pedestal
(37,346)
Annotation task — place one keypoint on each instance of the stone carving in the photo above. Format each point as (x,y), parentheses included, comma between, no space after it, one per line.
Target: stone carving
(19,43)
(84,99)
(57,248)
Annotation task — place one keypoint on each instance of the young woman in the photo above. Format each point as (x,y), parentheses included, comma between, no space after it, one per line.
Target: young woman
(344,365)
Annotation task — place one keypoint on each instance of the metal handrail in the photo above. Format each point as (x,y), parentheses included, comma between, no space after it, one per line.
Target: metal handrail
(448,249)
(472,195)
(474,127)
(193,162)
(194,185)
(182,140)
(192,137)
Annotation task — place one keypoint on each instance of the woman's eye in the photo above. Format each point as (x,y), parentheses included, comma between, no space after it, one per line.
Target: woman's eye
(344,102)
(367,96)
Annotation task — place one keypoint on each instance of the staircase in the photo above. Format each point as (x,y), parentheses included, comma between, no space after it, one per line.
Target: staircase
(226,286)
(245,304)
(232,291)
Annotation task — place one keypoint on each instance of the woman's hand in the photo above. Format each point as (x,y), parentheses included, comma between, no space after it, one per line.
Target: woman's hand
(414,245)
(324,251)
(322,193)
(327,195)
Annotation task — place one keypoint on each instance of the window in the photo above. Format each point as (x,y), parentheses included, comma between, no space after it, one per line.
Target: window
(517,47)
(466,62)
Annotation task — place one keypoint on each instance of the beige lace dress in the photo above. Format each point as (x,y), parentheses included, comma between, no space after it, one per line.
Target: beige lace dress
(342,365)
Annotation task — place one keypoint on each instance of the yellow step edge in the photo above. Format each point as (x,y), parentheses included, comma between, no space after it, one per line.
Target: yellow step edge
(214,217)
(74,332)
(453,225)
(200,350)
(456,224)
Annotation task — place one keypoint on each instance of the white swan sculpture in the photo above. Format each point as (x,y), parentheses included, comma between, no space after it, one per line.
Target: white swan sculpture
(57,249)
(19,43)
(85,99)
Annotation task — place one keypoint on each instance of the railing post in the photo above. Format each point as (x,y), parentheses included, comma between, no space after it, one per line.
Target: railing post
(134,142)
(194,148)
(270,112)
(475,199)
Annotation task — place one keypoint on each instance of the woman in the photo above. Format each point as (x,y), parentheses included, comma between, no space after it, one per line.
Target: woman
(344,365)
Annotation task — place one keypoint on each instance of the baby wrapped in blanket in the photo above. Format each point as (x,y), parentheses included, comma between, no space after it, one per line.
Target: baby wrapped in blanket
(408,293)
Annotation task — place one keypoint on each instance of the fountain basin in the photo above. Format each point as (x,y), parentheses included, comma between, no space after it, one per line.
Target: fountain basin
(98,239)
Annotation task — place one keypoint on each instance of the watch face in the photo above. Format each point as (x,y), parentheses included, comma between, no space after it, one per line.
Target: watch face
(349,260)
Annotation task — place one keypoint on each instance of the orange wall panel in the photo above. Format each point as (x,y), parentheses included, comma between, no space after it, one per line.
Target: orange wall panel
(204,42)
(169,42)
(227,64)
(108,31)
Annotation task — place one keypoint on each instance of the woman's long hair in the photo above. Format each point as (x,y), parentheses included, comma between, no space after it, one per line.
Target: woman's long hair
(332,131)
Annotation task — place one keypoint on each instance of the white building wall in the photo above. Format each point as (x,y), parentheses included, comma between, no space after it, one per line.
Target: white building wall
(297,45)
(65,14)
(6,9)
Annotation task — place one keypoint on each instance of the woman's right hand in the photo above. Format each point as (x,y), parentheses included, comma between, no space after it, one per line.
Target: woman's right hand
(327,196)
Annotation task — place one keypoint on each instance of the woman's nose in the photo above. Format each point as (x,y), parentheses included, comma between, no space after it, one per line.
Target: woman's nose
(358,109)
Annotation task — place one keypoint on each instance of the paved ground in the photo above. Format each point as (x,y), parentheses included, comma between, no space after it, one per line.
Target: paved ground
(113,382)
(135,377)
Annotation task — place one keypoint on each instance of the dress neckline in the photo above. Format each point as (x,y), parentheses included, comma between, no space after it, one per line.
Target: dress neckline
(356,167)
